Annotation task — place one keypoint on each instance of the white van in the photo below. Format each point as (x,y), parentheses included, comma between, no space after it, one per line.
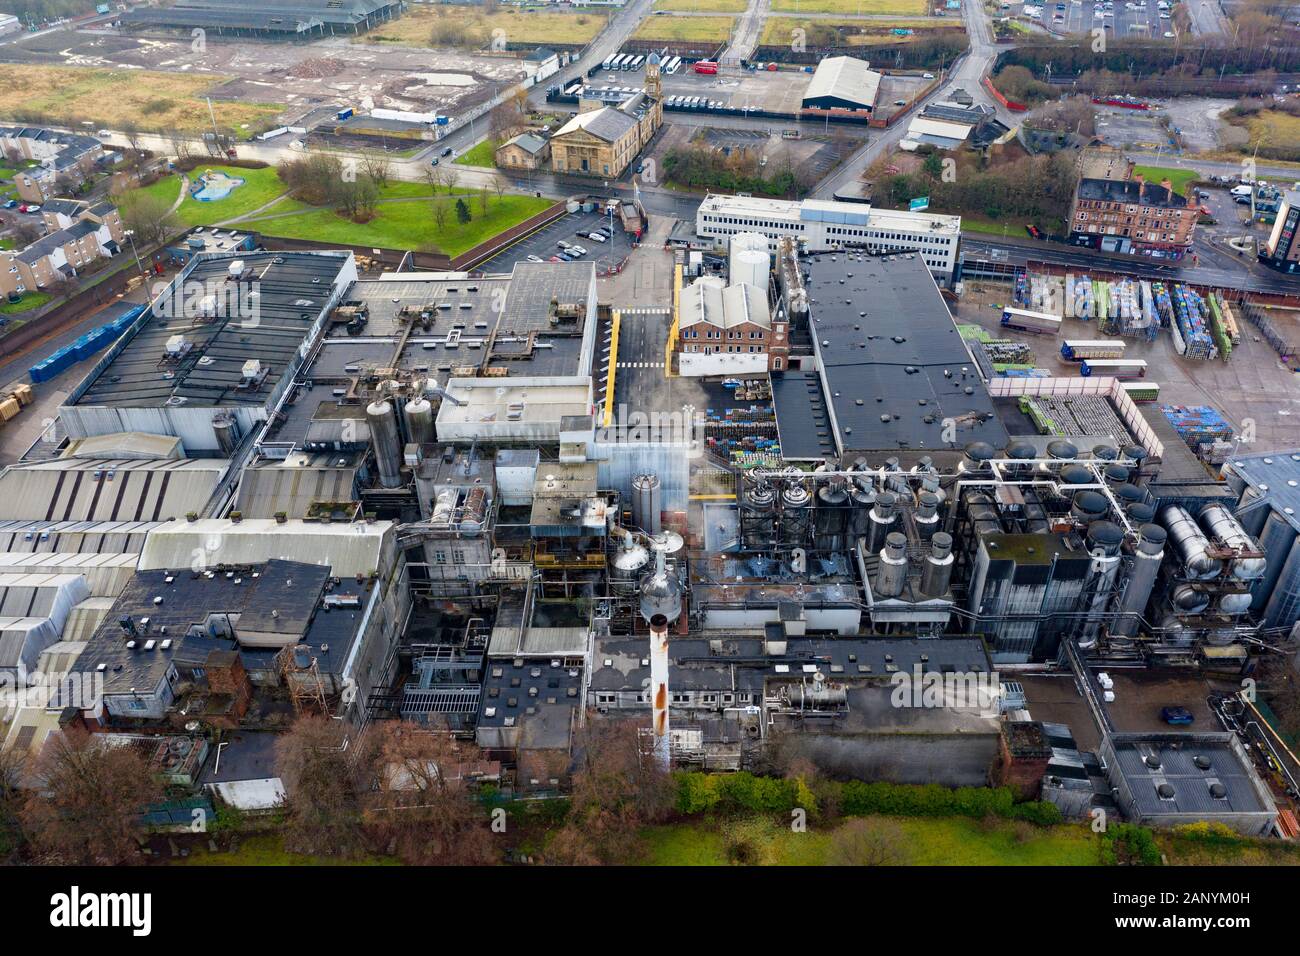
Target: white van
(1242,190)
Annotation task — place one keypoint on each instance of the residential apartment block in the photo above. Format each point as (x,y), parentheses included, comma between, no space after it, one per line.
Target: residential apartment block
(61,155)
(1132,215)
(81,233)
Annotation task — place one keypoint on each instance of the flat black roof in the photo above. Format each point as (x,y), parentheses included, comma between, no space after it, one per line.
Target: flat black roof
(290,290)
(893,365)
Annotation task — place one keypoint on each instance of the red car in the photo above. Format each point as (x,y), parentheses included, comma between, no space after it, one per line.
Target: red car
(23,207)
(1034,231)
(555,259)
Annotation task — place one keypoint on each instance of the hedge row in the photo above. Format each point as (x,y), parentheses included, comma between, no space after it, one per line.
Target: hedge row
(746,793)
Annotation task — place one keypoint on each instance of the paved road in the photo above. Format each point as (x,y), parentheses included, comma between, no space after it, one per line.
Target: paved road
(1208,17)
(965,75)
(746,33)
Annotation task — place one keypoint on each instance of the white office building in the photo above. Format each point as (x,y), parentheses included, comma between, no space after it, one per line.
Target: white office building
(822,225)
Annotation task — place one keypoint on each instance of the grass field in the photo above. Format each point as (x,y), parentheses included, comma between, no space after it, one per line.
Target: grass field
(29,301)
(702,6)
(1179,177)
(904,8)
(268,850)
(406,225)
(1276,134)
(463,27)
(777,30)
(260,187)
(703,29)
(67,96)
(479,155)
(953,841)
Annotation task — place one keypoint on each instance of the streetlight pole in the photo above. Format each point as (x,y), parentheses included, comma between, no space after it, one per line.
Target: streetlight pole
(130,234)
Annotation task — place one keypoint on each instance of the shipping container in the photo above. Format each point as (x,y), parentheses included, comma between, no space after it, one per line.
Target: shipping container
(1114,368)
(1026,321)
(1075,350)
(1142,391)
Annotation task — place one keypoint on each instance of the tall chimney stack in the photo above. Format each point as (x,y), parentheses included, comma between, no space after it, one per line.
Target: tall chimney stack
(659,688)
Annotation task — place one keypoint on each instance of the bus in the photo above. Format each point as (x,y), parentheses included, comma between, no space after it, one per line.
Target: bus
(673,64)
(608,60)
(1040,323)
(706,66)
(635,63)
(1114,368)
(1143,391)
(617,62)
(1075,350)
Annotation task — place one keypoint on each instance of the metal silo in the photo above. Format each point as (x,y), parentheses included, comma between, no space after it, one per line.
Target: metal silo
(419,420)
(883,518)
(1275,541)
(646,507)
(1219,522)
(832,517)
(796,508)
(1193,547)
(626,566)
(758,516)
(1283,608)
(387,444)
(1147,555)
(891,571)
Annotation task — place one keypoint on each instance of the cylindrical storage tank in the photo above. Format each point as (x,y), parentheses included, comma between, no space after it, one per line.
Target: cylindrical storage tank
(891,572)
(1275,541)
(796,523)
(883,517)
(668,543)
(1128,494)
(444,508)
(1077,475)
(1251,519)
(1138,455)
(1219,522)
(1104,536)
(474,513)
(1115,474)
(832,518)
(419,421)
(1019,450)
(1173,631)
(1062,450)
(387,445)
(1189,600)
(976,458)
(1283,609)
(227,433)
(748,259)
(1237,603)
(1193,547)
(1105,452)
(626,566)
(646,513)
(863,497)
(1089,506)
(926,518)
(937,573)
(1147,555)
(1141,512)
(758,517)
(1234,480)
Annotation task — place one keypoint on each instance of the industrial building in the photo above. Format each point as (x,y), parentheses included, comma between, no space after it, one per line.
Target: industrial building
(820,225)
(275,19)
(414,508)
(842,86)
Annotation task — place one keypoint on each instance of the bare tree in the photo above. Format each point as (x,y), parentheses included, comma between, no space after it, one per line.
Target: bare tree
(135,149)
(320,778)
(483,200)
(499,187)
(181,146)
(618,787)
(150,217)
(440,211)
(422,808)
(88,803)
(451,178)
(379,168)
(12,765)
(861,842)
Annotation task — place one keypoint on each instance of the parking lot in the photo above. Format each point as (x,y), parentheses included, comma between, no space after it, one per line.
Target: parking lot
(546,243)
(1120,18)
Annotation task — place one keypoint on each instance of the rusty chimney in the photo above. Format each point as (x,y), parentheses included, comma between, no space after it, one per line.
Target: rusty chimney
(659,688)
(1142,185)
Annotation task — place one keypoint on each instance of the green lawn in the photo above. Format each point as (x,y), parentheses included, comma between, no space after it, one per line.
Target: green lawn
(856,7)
(479,155)
(1179,177)
(268,850)
(948,841)
(685,29)
(407,225)
(29,301)
(702,6)
(260,187)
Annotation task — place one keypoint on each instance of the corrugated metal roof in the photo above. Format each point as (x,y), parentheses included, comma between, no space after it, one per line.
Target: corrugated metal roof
(844,78)
(264,492)
(108,489)
(348,549)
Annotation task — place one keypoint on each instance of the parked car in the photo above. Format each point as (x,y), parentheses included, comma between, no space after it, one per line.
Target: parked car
(578,250)
(1176,716)
(595,236)
(555,259)
(562,244)
(447,151)
(927,76)
(33,208)
(1034,231)
(11,203)
(535,259)
(23,207)
(434,161)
